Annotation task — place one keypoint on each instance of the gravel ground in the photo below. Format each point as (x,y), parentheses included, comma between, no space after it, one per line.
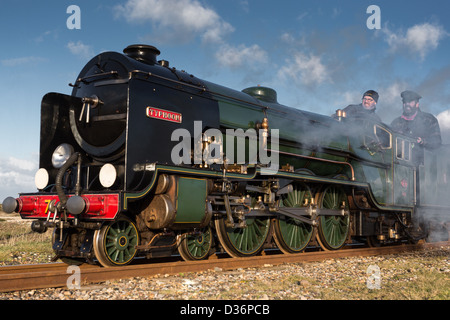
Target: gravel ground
(418,275)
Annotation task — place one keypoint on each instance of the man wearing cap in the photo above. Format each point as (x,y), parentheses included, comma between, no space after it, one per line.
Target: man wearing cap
(420,125)
(366,108)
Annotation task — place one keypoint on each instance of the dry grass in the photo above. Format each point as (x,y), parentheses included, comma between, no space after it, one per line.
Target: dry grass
(18,244)
(414,278)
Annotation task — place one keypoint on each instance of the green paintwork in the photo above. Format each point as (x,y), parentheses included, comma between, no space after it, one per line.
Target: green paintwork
(262,93)
(191,200)
(236,109)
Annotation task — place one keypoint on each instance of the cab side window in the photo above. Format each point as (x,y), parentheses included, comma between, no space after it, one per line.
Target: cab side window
(384,137)
(403,149)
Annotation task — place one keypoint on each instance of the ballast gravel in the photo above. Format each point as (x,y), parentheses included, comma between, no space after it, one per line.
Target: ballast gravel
(329,279)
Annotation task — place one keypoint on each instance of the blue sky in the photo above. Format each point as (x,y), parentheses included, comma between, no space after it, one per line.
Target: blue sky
(318,55)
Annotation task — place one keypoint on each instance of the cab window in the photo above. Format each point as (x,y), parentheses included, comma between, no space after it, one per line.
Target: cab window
(384,137)
(403,149)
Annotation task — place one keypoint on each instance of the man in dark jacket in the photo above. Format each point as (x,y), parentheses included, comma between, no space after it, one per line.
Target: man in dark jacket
(366,109)
(422,126)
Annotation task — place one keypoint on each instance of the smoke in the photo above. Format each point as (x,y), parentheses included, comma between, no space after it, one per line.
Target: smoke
(319,134)
(444,124)
(434,190)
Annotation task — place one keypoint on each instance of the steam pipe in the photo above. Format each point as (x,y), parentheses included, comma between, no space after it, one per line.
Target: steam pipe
(78,183)
(59,190)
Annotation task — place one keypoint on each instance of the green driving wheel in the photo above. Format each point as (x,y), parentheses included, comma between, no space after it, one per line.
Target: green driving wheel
(115,242)
(292,235)
(195,246)
(243,242)
(333,230)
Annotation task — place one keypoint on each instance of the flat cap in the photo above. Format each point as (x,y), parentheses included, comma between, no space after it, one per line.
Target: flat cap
(410,96)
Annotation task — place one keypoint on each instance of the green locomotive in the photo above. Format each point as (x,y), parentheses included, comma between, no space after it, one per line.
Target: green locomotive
(144,159)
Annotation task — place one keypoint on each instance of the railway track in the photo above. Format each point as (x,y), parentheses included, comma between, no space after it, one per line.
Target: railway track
(26,277)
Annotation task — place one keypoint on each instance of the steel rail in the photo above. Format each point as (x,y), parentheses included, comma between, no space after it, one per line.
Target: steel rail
(26,277)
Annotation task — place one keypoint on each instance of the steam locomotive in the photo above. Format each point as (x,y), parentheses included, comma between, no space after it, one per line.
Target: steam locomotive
(143,159)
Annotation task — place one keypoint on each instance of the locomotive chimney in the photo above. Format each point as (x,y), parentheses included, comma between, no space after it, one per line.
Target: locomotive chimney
(143,53)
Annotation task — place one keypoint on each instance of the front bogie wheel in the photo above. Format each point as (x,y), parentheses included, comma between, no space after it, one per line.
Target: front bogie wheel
(197,246)
(115,243)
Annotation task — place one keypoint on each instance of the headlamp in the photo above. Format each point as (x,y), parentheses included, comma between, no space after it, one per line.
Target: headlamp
(108,175)
(61,154)
(41,178)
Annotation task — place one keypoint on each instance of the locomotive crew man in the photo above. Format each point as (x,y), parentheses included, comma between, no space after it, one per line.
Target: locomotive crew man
(365,109)
(420,125)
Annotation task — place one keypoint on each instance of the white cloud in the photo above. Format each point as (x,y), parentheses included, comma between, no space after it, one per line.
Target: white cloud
(16,175)
(420,39)
(21,164)
(80,49)
(245,6)
(336,12)
(302,16)
(351,97)
(42,36)
(287,38)
(290,40)
(391,94)
(425,37)
(305,69)
(14,62)
(237,57)
(184,18)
